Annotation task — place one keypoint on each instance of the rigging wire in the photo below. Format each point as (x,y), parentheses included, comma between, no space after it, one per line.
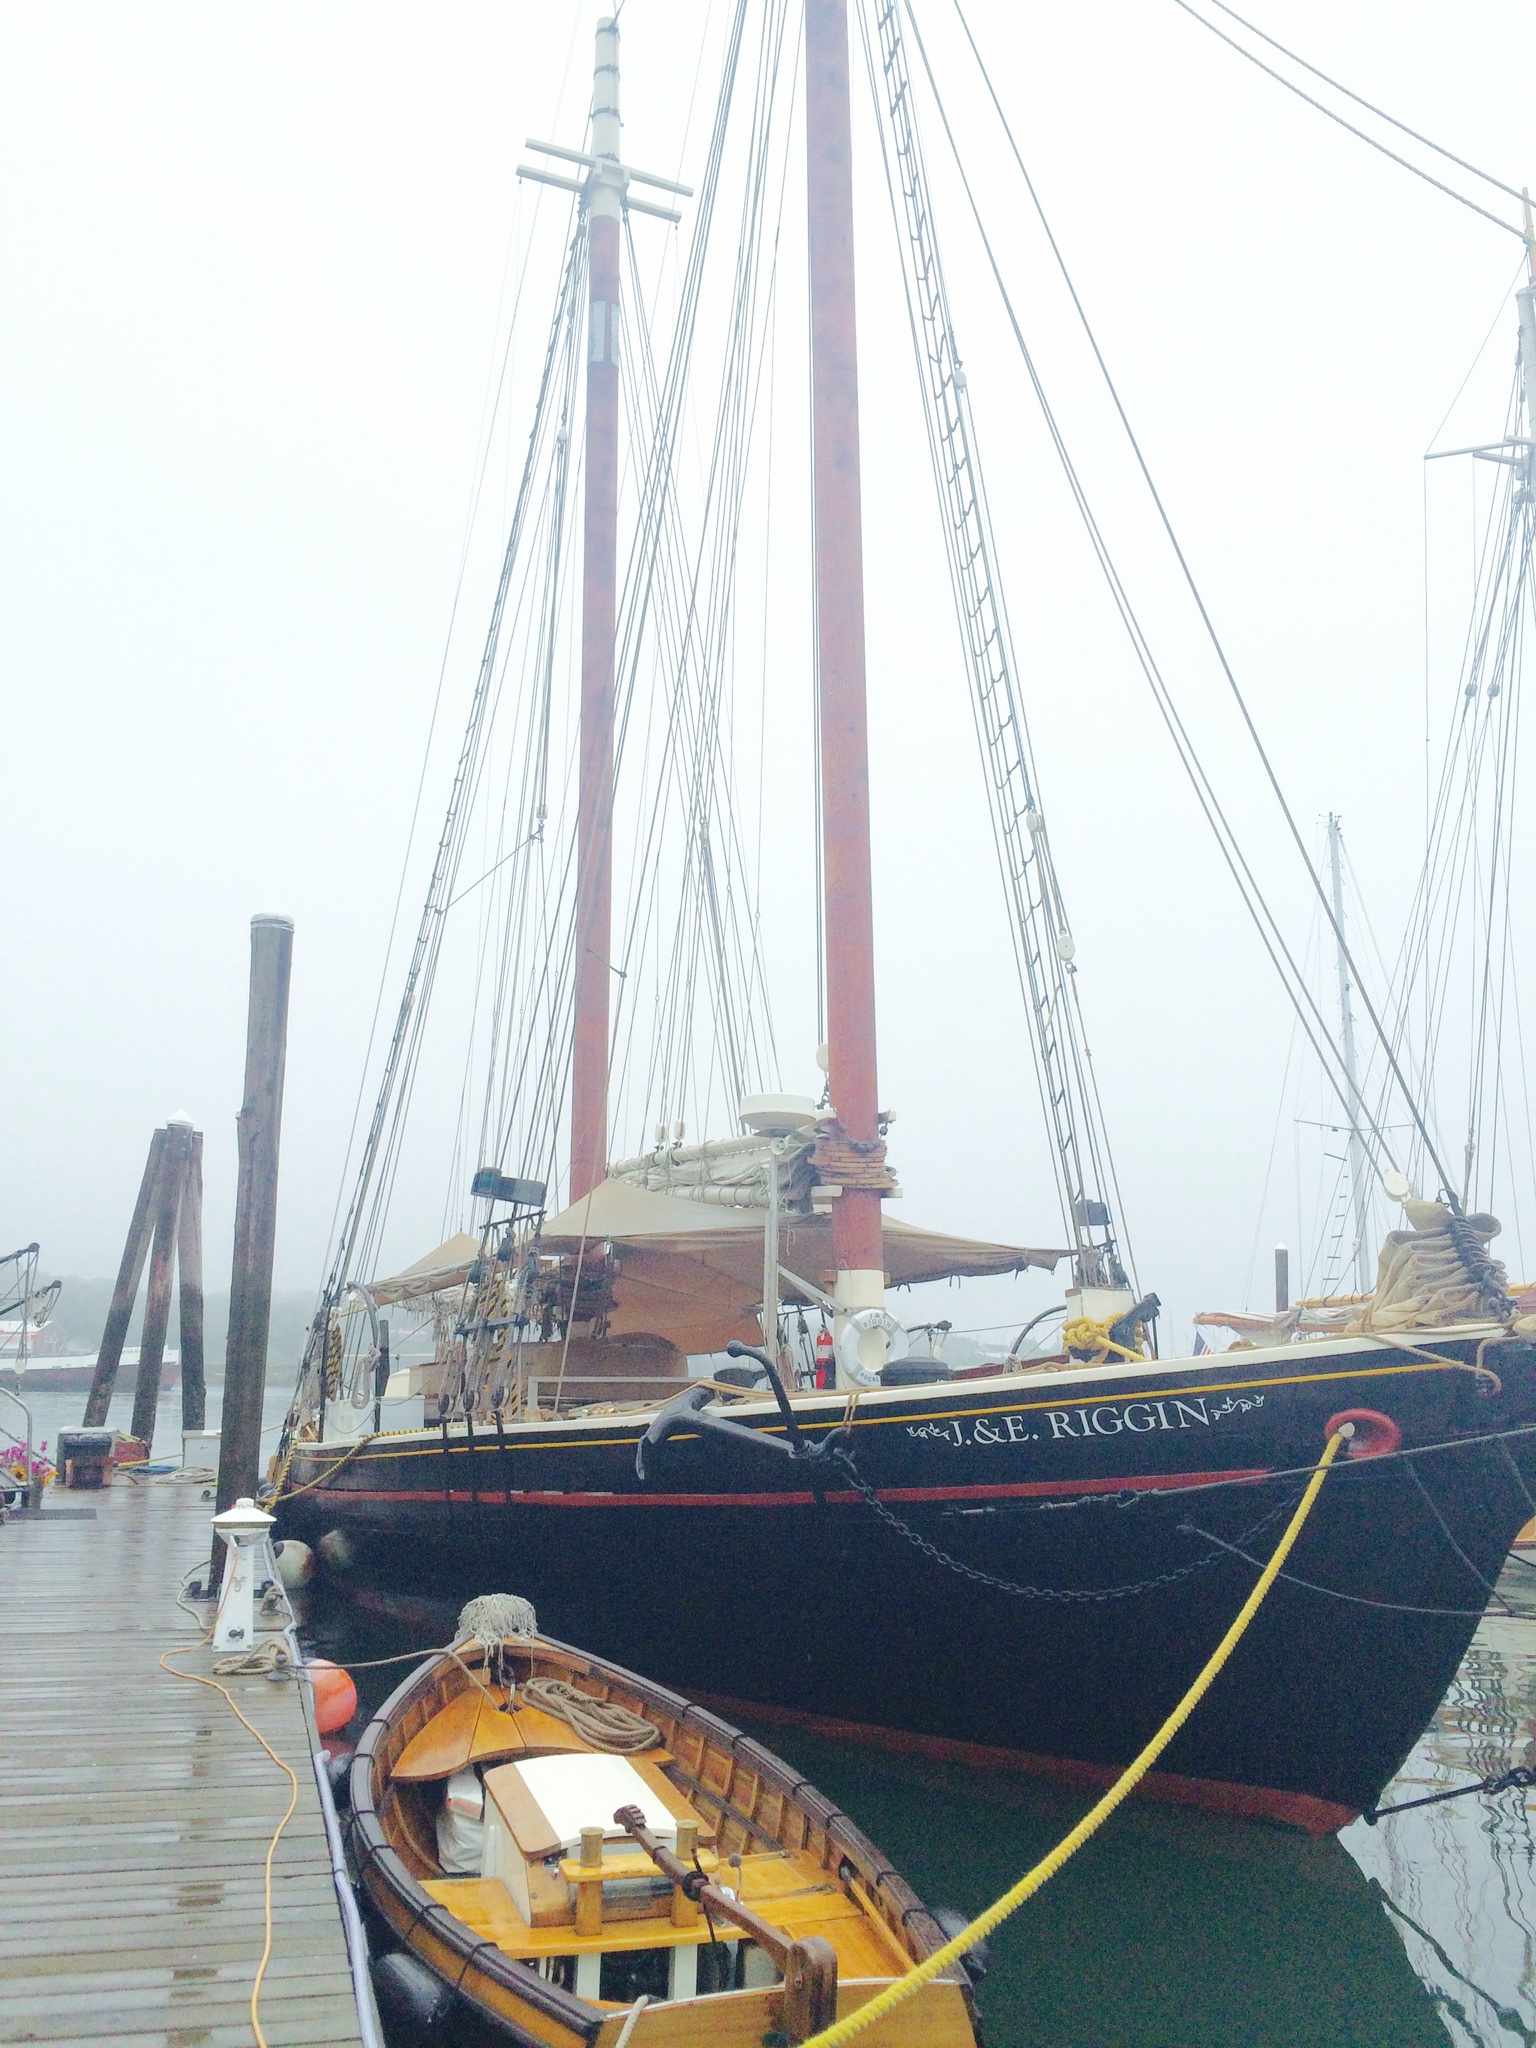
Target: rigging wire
(480,734)
(385,1129)
(1360,101)
(1319,1032)
(1188,575)
(1453,838)
(1370,140)
(1468,842)
(1493,325)
(488,427)
(690,589)
(1269,1164)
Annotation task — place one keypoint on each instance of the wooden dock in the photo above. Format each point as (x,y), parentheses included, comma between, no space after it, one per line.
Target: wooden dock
(136,1811)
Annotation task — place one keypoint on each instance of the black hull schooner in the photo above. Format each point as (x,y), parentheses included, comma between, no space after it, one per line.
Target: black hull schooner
(1033,1563)
(1031,1559)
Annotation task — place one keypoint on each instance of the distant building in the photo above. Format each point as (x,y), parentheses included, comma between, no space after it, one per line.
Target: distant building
(48,1342)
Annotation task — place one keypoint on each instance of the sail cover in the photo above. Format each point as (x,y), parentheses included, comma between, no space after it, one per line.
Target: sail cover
(448,1266)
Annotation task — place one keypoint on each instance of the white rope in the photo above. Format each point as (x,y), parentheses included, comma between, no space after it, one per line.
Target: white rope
(602,1723)
(490,1618)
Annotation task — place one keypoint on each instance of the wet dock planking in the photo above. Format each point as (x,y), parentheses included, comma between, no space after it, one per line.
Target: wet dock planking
(135,1810)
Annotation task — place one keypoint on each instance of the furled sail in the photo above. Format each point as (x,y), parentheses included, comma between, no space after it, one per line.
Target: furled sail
(447,1266)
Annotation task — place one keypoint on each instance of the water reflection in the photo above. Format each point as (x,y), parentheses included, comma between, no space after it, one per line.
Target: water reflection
(1458,1881)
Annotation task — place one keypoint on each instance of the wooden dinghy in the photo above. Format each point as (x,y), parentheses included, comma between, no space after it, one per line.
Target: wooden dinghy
(731,1904)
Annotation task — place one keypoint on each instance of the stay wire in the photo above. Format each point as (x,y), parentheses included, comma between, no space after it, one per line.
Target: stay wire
(712,949)
(1194,591)
(1355,1599)
(385,1131)
(488,430)
(1370,140)
(659,527)
(1452,825)
(1360,101)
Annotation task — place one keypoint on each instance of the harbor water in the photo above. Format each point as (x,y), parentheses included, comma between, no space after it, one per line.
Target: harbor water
(1172,1928)
(1179,1929)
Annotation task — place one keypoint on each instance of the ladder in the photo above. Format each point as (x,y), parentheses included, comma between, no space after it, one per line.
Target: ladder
(1042,939)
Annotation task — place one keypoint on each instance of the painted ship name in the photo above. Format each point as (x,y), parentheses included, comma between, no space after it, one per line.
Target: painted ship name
(1050,1425)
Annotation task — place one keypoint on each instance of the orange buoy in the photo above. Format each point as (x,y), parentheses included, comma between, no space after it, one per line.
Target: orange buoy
(1376,1435)
(335,1694)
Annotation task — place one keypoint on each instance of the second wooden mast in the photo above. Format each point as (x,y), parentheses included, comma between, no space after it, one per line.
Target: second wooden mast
(839,571)
(840,665)
(604,200)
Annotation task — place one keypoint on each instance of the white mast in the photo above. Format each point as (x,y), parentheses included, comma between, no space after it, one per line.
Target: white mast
(1359,1168)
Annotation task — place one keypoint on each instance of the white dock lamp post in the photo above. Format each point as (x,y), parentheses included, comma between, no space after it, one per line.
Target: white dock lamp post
(244,1528)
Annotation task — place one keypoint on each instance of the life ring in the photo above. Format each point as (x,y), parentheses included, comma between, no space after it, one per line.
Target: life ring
(1375,1435)
(854,1326)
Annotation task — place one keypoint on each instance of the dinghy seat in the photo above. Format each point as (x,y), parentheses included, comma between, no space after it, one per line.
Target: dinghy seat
(474,1730)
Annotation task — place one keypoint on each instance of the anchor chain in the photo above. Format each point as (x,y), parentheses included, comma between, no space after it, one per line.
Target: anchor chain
(1063,1594)
(1521,1778)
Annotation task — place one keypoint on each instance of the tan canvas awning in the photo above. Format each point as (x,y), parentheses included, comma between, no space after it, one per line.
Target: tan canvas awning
(693,1271)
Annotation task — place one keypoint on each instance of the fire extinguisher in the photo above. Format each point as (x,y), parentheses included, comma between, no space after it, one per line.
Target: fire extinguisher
(826,1371)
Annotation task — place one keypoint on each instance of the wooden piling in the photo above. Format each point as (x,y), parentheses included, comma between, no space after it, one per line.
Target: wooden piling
(125,1293)
(250,1289)
(189,1262)
(162,1257)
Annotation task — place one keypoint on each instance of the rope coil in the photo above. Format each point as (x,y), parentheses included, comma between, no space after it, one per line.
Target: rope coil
(1085,1333)
(602,1723)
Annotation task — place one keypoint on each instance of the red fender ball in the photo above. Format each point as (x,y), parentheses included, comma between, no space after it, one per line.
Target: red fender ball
(335,1694)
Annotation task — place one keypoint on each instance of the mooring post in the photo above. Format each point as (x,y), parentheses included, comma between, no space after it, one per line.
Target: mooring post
(1282,1279)
(157,1302)
(250,1286)
(125,1293)
(189,1262)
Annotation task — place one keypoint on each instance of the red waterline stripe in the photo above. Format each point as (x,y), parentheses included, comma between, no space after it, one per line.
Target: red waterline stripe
(497,1497)
(1302,1810)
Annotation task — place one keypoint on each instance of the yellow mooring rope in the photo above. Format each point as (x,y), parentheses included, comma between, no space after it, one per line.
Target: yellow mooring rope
(1082,1333)
(920,1974)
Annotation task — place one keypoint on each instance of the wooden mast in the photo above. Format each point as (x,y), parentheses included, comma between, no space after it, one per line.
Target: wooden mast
(839,554)
(594,820)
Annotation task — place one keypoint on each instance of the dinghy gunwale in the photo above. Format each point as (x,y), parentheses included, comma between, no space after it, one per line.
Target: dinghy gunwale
(495,1983)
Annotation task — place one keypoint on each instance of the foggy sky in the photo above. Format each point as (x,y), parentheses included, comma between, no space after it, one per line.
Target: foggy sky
(259,273)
